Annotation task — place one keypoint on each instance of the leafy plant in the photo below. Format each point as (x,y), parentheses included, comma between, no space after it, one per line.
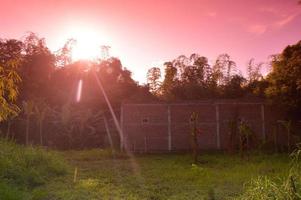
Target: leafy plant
(9,78)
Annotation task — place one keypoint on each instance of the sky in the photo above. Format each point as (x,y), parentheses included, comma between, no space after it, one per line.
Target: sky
(146,33)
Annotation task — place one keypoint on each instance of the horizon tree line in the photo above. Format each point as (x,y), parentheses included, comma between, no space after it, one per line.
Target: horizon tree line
(38,87)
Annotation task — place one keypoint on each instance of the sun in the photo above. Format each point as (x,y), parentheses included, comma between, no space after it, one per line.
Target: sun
(86,47)
(87,44)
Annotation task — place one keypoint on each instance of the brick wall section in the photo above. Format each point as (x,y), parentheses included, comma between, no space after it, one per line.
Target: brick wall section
(158,127)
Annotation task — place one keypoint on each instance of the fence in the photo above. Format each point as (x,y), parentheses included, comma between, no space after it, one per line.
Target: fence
(164,127)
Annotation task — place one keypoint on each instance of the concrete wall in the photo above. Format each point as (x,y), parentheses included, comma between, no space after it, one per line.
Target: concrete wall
(166,127)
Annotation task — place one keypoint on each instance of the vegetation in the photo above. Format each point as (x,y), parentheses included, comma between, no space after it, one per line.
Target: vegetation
(25,170)
(9,62)
(285,80)
(46,113)
(220,176)
(32,173)
(287,187)
(49,87)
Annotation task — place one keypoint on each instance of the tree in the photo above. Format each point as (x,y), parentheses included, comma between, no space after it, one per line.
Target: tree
(254,71)
(285,80)
(223,69)
(169,80)
(234,87)
(37,65)
(197,72)
(10,59)
(64,55)
(153,80)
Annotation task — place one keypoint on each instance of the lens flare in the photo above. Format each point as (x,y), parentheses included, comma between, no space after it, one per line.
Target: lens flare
(79,90)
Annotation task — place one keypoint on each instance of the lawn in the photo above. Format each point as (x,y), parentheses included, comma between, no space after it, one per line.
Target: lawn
(168,176)
(32,173)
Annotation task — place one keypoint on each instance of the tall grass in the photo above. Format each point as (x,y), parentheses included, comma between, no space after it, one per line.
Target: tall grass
(24,169)
(287,187)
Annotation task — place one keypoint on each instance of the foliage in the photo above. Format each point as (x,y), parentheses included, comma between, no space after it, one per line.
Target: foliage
(23,170)
(286,187)
(10,58)
(224,69)
(245,135)
(171,176)
(153,80)
(37,65)
(285,80)
(253,71)
(192,78)
(49,83)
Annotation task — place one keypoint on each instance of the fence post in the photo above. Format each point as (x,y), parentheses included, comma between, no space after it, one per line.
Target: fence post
(218,143)
(169,128)
(263,122)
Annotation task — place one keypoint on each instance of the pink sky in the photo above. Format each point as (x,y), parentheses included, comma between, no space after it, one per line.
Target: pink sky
(144,33)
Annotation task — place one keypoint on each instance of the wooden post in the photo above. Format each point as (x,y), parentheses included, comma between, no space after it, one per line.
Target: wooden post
(169,128)
(263,122)
(218,143)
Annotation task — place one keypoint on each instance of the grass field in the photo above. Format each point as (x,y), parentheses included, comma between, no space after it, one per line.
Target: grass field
(28,173)
(219,176)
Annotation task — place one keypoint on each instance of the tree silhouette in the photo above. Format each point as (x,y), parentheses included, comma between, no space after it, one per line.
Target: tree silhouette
(223,69)
(153,79)
(169,80)
(285,80)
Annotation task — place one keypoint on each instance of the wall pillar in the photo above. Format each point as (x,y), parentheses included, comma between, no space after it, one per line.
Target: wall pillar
(169,128)
(263,122)
(218,143)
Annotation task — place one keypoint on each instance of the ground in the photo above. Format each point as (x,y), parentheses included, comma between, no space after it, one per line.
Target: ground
(218,176)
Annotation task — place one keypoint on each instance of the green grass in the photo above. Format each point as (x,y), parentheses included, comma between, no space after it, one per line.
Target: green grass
(24,171)
(162,176)
(36,174)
